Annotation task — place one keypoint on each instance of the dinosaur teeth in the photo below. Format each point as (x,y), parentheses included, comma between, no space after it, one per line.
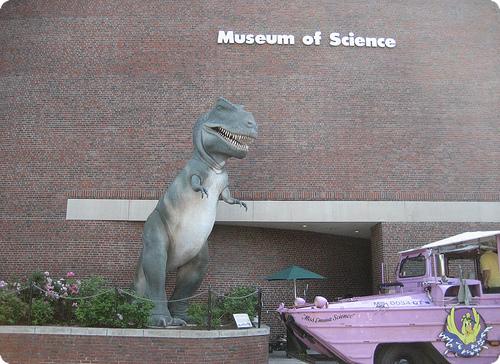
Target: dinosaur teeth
(237,140)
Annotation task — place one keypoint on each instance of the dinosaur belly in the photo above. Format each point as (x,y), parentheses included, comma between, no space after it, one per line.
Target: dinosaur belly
(192,228)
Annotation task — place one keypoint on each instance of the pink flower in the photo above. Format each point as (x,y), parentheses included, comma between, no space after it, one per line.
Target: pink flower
(52,294)
(47,274)
(73,289)
(74,304)
(70,274)
(3,284)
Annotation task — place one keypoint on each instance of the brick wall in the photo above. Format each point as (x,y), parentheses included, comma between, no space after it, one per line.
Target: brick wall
(238,257)
(38,349)
(245,256)
(98,100)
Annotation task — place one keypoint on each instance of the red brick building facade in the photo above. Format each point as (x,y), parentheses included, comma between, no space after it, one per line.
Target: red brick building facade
(97,101)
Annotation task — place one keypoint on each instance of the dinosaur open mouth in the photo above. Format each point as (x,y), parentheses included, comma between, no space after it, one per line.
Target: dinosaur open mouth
(239,141)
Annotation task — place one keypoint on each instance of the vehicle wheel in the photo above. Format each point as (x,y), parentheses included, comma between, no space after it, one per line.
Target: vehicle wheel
(401,354)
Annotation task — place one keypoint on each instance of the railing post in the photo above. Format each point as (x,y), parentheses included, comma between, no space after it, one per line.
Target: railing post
(31,301)
(117,297)
(209,309)
(259,306)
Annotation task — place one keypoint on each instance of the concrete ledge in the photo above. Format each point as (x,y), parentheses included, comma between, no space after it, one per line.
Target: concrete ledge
(165,333)
(301,211)
(17,329)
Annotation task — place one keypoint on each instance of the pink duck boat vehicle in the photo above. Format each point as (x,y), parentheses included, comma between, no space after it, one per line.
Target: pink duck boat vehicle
(436,311)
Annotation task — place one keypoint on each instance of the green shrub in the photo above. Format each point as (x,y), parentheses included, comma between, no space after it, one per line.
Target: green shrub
(64,301)
(37,278)
(12,309)
(237,305)
(91,286)
(198,314)
(42,312)
(223,308)
(110,309)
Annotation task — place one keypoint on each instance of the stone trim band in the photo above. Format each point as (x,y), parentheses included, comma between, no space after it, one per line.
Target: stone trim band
(301,211)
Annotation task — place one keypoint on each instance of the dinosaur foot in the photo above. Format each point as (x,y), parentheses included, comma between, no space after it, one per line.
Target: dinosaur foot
(165,321)
(183,316)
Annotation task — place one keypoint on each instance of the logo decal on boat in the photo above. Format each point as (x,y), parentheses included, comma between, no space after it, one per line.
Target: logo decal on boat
(465,332)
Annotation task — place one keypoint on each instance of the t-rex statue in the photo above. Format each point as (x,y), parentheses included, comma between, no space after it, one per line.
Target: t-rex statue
(176,232)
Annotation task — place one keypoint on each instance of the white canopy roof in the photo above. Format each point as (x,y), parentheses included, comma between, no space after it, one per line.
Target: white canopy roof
(468,237)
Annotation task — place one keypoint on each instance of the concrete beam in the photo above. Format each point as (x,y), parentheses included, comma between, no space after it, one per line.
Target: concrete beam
(301,211)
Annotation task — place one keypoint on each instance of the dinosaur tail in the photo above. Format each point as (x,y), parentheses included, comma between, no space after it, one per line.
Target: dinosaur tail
(139,285)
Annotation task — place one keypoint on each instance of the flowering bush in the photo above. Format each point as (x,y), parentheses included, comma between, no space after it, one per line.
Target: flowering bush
(63,287)
(68,300)
(56,299)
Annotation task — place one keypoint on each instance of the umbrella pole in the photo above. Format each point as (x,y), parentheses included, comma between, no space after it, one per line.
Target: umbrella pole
(295,288)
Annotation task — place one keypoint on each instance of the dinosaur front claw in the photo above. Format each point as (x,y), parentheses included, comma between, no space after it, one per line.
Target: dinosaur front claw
(243,205)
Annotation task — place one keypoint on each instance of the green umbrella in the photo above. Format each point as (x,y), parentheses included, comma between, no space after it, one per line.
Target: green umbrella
(293,272)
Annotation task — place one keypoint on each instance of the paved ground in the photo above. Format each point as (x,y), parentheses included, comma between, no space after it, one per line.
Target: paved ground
(279,357)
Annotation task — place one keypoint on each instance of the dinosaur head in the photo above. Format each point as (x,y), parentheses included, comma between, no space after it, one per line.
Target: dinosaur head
(224,132)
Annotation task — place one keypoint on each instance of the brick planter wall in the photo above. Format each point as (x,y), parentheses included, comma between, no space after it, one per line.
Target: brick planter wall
(33,345)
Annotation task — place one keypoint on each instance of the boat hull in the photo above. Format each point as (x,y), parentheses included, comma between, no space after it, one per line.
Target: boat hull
(354,333)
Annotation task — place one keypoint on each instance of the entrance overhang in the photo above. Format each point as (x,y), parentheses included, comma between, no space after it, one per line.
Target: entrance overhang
(351,218)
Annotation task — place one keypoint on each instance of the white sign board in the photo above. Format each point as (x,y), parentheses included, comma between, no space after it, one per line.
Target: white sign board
(242,320)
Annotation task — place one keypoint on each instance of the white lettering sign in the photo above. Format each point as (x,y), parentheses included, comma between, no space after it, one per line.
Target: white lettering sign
(351,41)
(230,38)
(335,39)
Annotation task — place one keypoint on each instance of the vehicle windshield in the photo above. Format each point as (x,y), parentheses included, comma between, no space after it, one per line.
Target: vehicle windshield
(412,267)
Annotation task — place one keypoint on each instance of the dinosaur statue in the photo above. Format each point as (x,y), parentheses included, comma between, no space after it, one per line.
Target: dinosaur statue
(176,232)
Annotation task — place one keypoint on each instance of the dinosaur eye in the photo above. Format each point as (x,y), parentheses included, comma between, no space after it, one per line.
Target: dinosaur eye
(220,107)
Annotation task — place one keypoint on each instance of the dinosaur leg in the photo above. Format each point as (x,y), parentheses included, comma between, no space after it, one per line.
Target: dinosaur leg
(189,278)
(150,275)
